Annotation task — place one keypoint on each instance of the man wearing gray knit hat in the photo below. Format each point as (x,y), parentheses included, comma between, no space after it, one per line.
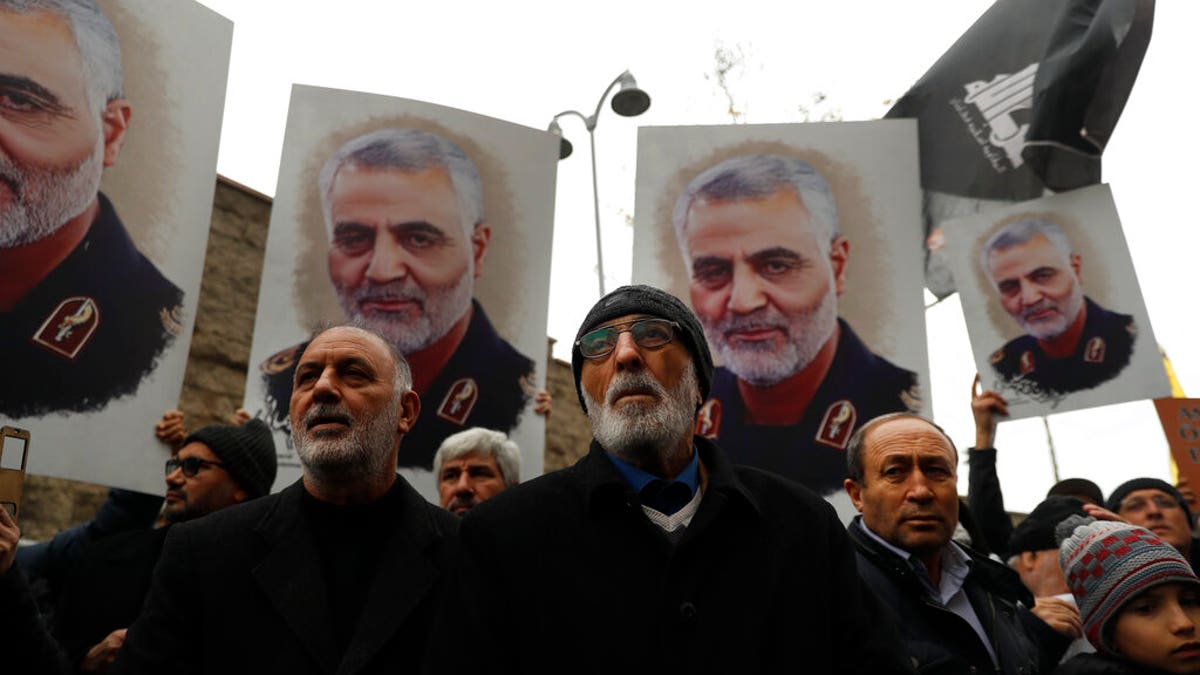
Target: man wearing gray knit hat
(653,553)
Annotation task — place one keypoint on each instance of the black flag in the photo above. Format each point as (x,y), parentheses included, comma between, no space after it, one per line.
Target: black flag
(1022,103)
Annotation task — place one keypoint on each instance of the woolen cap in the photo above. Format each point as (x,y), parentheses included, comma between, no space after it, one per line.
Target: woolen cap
(246,450)
(1036,532)
(1123,490)
(1078,487)
(640,299)
(1109,563)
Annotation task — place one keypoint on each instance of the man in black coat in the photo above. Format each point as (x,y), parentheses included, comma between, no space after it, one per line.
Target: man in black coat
(215,468)
(337,573)
(957,611)
(654,553)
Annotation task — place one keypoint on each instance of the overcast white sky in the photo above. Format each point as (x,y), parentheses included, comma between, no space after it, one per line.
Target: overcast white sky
(524,61)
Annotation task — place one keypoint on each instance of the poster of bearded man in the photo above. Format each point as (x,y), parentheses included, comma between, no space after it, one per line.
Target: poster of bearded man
(431,226)
(790,241)
(110,117)
(1052,304)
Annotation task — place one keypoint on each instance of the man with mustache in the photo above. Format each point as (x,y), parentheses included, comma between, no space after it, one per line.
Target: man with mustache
(404,214)
(957,610)
(338,572)
(654,554)
(766,260)
(84,315)
(1071,343)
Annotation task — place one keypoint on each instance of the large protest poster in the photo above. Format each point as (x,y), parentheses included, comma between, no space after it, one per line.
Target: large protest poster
(431,225)
(797,246)
(1052,304)
(111,121)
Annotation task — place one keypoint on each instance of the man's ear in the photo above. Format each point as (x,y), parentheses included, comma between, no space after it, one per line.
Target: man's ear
(1077,265)
(855,491)
(115,122)
(410,407)
(479,245)
(240,495)
(1026,561)
(839,255)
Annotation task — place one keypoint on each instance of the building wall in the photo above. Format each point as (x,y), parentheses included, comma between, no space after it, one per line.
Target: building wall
(217,363)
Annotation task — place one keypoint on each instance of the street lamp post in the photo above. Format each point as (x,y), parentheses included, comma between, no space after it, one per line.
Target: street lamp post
(629,101)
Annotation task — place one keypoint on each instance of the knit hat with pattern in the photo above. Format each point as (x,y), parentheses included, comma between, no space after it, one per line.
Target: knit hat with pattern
(1107,564)
(247,452)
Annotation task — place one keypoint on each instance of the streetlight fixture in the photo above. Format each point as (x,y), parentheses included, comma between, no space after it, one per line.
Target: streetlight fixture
(629,101)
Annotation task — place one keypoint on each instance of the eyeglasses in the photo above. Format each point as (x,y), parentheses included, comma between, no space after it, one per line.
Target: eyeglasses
(1139,504)
(647,333)
(190,465)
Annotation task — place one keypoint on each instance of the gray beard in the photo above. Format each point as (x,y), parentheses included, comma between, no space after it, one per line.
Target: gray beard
(1048,330)
(644,432)
(361,453)
(441,309)
(44,199)
(762,364)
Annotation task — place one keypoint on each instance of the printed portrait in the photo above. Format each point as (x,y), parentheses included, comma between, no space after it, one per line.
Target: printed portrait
(786,241)
(420,223)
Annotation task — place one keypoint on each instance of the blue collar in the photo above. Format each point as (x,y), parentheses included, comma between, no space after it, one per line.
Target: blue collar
(638,479)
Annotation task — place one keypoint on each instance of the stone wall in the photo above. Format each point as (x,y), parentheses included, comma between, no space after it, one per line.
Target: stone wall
(217,363)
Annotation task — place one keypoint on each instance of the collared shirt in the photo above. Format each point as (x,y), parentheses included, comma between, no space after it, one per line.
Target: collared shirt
(638,479)
(949,593)
(690,476)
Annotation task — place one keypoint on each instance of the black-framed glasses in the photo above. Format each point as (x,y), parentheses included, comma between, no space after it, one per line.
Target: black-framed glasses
(649,333)
(190,465)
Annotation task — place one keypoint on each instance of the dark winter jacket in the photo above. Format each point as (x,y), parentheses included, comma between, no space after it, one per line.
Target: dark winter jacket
(938,641)
(566,573)
(1095,664)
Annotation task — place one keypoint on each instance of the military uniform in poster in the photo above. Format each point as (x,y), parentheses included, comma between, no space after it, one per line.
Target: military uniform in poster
(1103,351)
(486,383)
(91,330)
(860,385)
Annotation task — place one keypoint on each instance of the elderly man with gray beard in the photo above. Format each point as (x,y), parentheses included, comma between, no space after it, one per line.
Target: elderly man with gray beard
(337,573)
(653,553)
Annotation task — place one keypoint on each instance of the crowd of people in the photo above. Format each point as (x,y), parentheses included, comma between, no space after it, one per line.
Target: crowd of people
(653,553)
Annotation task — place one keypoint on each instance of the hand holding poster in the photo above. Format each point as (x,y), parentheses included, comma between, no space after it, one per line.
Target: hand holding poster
(429,225)
(1052,304)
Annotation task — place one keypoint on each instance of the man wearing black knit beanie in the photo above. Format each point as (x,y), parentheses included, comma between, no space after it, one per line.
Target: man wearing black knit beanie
(1157,506)
(654,553)
(215,468)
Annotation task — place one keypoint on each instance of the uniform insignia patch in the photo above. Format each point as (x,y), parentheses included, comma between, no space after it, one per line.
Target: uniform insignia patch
(280,361)
(1027,362)
(172,319)
(996,357)
(1094,352)
(69,327)
(708,420)
(459,401)
(838,424)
